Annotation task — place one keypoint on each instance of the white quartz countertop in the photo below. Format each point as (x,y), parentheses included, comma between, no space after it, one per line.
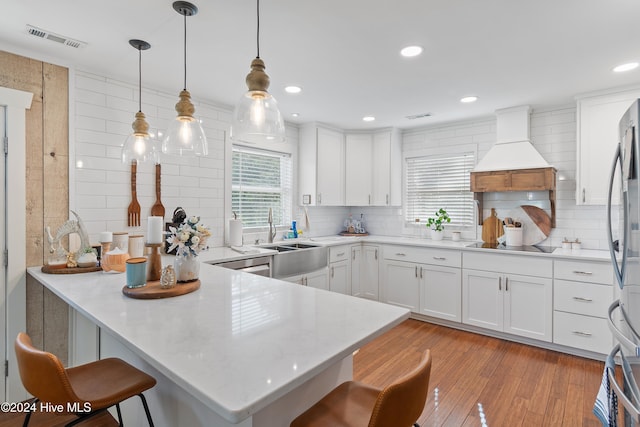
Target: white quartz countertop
(239,342)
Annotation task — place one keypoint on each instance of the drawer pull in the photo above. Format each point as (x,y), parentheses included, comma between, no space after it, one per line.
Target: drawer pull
(499,283)
(340,254)
(439,258)
(416,271)
(583,299)
(582,334)
(400,254)
(582,273)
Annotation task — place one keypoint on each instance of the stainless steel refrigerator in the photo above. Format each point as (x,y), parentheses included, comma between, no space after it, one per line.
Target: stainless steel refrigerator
(624,313)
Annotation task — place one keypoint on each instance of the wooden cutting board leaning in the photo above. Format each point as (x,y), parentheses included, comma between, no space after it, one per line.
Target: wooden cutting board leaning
(492,228)
(536,223)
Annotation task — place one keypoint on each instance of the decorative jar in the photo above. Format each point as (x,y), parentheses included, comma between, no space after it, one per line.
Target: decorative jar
(187,268)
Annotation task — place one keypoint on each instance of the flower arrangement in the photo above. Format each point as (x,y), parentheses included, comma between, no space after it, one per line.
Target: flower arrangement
(189,238)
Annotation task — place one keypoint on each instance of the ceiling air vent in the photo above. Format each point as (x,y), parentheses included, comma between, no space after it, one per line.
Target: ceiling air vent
(418,116)
(48,35)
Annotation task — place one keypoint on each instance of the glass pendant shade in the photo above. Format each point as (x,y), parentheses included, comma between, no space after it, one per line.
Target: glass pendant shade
(139,146)
(185,135)
(257,119)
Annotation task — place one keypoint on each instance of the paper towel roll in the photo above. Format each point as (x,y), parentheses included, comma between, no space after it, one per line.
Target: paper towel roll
(235,232)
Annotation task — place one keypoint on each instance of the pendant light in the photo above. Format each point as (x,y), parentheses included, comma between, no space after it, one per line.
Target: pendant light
(256,117)
(138,147)
(185,135)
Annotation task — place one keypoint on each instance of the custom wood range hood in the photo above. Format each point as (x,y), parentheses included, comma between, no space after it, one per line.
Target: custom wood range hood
(513,164)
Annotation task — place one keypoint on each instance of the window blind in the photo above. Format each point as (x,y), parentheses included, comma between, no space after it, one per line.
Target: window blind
(434,182)
(261,179)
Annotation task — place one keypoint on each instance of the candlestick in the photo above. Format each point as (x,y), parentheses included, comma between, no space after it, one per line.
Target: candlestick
(154,269)
(154,229)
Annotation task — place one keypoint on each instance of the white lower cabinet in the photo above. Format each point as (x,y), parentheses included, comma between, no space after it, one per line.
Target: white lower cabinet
(364,271)
(316,279)
(340,269)
(424,280)
(582,293)
(505,301)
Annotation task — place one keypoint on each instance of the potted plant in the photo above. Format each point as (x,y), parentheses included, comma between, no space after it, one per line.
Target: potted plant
(436,224)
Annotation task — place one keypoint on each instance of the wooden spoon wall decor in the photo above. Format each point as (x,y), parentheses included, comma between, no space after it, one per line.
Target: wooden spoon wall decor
(157,209)
(133,211)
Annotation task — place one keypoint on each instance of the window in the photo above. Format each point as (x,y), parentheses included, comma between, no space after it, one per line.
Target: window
(434,182)
(261,180)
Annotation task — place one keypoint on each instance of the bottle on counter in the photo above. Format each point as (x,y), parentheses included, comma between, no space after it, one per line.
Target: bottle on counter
(294,229)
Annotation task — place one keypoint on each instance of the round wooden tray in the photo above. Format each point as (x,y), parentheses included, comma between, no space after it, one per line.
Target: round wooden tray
(67,270)
(344,233)
(152,290)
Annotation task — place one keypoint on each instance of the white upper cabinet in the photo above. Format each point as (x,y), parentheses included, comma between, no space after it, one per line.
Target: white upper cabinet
(321,166)
(597,137)
(373,169)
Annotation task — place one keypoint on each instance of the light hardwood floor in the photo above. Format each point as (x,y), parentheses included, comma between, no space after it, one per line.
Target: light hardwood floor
(485,381)
(480,381)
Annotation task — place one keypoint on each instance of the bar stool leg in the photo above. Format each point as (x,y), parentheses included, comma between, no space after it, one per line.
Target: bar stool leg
(146,409)
(120,423)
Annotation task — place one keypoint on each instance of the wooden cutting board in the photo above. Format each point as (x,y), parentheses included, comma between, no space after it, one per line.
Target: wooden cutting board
(536,223)
(492,228)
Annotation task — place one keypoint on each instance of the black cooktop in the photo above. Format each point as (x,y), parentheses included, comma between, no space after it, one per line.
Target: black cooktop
(533,248)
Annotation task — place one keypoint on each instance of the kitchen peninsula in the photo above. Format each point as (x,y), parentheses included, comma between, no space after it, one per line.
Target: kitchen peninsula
(242,350)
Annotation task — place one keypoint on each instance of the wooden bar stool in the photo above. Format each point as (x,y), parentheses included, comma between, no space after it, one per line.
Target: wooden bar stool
(99,384)
(354,404)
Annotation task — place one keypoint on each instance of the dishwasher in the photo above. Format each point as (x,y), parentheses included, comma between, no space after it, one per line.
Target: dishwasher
(258,265)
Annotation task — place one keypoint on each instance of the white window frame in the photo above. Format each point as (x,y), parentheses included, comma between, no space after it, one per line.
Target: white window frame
(468,229)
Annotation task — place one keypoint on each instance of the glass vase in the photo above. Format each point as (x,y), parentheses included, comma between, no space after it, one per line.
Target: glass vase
(187,268)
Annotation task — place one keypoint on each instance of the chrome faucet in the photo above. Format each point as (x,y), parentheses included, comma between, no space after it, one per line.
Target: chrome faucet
(272,229)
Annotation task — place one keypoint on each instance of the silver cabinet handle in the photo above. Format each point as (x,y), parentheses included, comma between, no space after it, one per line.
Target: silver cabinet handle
(416,271)
(499,283)
(353,254)
(332,268)
(506,284)
(400,254)
(582,273)
(439,258)
(319,198)
(369,198)
(421,270)
(340,254)
(387,200)
(584,195)
(582,334)
(306,281)
(376,254)
(582,299)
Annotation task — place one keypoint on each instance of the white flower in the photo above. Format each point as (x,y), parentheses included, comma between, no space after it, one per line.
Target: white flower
(184,236)
(201,228)
(194,219)
(195,240)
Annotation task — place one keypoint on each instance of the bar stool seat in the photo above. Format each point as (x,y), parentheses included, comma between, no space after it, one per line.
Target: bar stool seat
(98,385)
(354,404)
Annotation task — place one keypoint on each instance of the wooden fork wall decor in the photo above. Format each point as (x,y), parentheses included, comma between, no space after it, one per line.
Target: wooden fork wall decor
(133,211)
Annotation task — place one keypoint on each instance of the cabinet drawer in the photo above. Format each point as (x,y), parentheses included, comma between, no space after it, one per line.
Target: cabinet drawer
(509,264)
(585,332)
(432,256)
(592,272)
(339,253)
(582,298)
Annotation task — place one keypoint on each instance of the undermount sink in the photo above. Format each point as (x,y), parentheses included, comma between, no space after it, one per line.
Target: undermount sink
(296,258)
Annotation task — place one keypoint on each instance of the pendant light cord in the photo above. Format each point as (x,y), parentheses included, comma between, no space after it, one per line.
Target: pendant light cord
(140,80)
(258,28)
(185,52)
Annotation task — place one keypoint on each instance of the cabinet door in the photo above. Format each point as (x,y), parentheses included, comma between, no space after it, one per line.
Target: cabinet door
(330,173)
(401,284)
(597,136)
(340,277)
(482,303)
(528,310)
(356,266)
(358,170)
(297,279)
(441,292)
(381,178)
(369,272)
(317,279)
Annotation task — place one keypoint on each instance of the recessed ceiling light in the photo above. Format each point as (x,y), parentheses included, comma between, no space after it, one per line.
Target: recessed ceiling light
(293,89)
(411,51)
(368,118)
(468,99)
(626,67)
(295,114)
